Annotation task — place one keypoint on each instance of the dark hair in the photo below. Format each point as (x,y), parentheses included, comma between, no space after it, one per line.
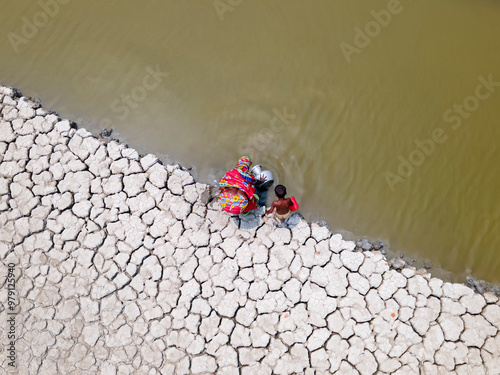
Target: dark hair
(280,191)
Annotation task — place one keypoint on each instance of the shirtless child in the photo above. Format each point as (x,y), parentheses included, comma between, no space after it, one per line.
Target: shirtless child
(280,207)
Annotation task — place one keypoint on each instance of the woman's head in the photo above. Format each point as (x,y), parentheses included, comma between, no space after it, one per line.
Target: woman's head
(244,163)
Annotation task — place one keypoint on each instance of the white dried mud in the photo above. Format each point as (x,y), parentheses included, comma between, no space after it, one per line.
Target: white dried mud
(126,266)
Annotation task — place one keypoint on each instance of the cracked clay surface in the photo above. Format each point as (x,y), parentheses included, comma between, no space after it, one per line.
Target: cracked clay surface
(126,266)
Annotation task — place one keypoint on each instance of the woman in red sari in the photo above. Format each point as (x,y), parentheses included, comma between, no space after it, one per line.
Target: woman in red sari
(238,189)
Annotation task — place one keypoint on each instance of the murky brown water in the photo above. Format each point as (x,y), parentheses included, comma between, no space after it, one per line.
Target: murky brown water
(332,112)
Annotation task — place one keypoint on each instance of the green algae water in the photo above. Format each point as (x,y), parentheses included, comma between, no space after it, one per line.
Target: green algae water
(380,117)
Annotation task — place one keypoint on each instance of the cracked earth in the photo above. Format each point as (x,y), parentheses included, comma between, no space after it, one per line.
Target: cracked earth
(127,266)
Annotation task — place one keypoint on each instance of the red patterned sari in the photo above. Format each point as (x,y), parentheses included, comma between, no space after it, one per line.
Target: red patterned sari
(238,178)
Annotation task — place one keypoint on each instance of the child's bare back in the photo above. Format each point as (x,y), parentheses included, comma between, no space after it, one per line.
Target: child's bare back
(282,206)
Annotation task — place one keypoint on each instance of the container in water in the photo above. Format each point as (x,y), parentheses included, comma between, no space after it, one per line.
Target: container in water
(256,170)
(295,205)
(266,176)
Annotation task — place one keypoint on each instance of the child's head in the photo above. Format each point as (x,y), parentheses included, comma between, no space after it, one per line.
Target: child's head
(280,191)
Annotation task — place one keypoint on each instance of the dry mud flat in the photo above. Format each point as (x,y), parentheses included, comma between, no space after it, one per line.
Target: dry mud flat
(126,266)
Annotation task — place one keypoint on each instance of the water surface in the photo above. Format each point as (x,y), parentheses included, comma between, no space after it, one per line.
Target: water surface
(201,87)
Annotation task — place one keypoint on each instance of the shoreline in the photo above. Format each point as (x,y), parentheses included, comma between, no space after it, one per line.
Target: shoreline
(126,265)
(396,258)
(398,255)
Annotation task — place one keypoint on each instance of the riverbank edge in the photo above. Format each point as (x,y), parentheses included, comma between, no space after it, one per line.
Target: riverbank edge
(29,133)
